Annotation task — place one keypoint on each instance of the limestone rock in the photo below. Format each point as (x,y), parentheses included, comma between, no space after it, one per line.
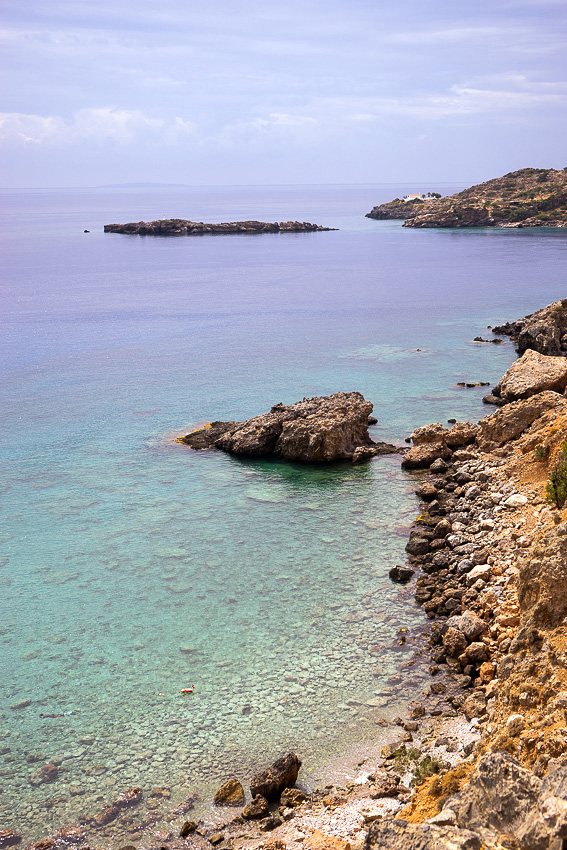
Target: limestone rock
(231,793)
(319,429)
(454,642)
(257,808)
(461,434)
(320,841)
(541,331)
(542,583)
(401,574)
(533,373)
(282,774)
(400,835)
(513,419)
(70,835)
(475,705)
(502,798)
(292,797)
(434,433)
(425,454)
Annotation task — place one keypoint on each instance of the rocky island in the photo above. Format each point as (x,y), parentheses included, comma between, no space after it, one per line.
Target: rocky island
(182,227)
(529,197)
(316,430)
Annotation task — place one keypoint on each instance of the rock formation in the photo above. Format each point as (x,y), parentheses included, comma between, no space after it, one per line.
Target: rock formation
(281,774)
(315,430)
(544,331)
(533,373)
(530,197)
(182,227)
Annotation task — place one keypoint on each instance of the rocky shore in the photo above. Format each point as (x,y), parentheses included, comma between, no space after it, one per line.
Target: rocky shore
(529,197)
(480,760)
(182,227)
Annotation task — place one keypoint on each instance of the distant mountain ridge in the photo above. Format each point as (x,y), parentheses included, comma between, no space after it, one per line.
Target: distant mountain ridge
(529,197)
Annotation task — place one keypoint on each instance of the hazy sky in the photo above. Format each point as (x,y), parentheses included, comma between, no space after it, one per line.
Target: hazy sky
(301,91)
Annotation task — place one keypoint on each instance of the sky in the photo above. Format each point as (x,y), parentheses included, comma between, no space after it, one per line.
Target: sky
(302,91)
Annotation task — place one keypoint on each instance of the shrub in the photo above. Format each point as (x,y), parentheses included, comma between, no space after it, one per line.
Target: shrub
(556,487)
(541,452)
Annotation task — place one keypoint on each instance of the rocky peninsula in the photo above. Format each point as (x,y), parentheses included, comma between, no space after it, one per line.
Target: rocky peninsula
(529,197)
(182,227)
(316,430)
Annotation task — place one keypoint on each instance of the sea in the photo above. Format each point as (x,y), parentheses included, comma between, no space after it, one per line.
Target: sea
(133,568)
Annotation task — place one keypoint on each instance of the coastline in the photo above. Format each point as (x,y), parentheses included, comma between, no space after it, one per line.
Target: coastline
(487,493)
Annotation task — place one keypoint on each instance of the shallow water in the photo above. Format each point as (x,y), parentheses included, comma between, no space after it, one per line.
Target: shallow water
(132,567)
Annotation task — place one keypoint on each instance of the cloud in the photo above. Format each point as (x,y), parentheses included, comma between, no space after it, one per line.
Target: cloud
(100,125)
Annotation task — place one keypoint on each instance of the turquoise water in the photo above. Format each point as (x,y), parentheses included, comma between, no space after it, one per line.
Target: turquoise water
(132,567)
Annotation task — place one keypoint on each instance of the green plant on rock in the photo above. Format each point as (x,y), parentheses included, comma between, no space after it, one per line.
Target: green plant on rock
(541,452)
(556,487)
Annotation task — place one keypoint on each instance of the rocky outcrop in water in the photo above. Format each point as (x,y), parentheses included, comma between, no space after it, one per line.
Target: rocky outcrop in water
(315,430)
(183,227)
(544,331)
(529,197)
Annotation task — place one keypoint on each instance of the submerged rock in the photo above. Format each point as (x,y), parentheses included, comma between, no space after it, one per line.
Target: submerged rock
(319,429)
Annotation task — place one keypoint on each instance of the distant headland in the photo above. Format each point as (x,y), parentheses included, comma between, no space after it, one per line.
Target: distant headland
(530,197)
(181,227)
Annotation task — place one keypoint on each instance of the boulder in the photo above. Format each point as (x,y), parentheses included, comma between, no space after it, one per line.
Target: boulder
(257,808)
(434,433)
(231,793)
(401,575)
(502,798)
(513,419)
(424,454)
(292,797)
(282,774)
(461,434)
(70,835)
(454,642)
(315,430)
(533,373)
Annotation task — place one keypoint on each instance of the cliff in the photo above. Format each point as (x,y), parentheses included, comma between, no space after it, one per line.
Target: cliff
(530,197)
(182,227)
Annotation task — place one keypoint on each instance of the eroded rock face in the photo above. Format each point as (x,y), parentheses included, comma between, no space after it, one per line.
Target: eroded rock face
(533,373)
(282,774)
(542,585)
(315,430)
(401,835)
(513,419)
(183,227)
(544,331)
